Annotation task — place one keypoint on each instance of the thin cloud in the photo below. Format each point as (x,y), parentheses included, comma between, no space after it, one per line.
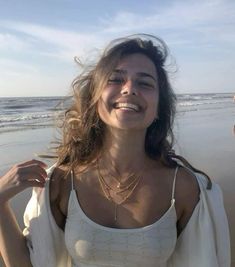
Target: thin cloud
(63,44)
(11,66)
(10,42)
(188,16)
(18,78)
(180,23)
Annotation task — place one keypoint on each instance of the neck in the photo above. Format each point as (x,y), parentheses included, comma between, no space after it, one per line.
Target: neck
(124,150)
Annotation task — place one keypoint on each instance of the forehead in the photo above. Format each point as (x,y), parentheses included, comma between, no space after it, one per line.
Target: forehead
(137,63)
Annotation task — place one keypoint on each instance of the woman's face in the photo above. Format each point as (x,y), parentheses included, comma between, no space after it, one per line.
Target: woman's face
(130,98)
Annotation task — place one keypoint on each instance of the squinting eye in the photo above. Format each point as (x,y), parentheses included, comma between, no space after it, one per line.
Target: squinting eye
(146,84)
(115,81)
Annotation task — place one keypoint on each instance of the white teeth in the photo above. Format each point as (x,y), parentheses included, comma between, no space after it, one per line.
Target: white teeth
(128,106)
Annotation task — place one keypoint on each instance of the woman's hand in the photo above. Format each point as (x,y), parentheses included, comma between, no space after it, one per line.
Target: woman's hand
(21,176)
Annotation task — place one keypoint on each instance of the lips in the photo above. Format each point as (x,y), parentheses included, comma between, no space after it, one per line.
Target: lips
(127,106)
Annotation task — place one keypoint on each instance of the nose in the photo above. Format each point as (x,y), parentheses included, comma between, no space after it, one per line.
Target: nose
(129,88)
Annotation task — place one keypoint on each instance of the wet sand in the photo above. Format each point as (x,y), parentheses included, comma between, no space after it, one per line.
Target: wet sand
(205,138)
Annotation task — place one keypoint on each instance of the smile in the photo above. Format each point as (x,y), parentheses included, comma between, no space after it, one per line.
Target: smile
(127,106)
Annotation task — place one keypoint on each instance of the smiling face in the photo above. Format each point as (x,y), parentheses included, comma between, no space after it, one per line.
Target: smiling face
(130,98)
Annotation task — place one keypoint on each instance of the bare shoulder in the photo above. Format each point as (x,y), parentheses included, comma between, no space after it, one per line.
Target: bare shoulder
(59,194)
(187,185)
(187,196)
(58,180)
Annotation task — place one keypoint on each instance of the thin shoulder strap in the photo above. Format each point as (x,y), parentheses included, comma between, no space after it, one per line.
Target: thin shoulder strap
(173,187)
(190,167)
(72,186)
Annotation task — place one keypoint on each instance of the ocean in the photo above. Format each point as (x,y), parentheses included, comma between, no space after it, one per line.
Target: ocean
(19,113)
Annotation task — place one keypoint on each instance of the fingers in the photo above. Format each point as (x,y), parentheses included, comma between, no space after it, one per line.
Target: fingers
(31,171)
(28,174)
(33,161)
(34,183)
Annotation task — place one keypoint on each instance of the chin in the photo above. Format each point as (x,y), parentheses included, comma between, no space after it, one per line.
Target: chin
(129,126)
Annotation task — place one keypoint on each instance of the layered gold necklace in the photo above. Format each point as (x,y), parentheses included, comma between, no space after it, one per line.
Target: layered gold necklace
(122,190)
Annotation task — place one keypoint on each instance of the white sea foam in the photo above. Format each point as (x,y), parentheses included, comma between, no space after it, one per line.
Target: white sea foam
(20,112)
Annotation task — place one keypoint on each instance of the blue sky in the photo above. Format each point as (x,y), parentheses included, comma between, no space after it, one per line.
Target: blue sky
(39,40)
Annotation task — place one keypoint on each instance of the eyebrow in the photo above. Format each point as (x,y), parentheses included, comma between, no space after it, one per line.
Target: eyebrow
(141,74)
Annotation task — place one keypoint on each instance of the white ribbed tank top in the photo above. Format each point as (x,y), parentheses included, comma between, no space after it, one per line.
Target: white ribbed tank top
(93,245)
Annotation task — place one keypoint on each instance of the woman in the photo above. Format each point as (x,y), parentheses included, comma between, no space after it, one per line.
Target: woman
(118,195)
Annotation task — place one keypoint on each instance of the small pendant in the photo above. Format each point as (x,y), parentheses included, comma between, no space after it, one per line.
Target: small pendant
(119,185)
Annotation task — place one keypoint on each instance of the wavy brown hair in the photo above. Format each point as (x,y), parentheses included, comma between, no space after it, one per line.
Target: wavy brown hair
(83,130)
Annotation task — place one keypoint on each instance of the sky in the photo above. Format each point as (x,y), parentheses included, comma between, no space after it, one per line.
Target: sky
(40,39)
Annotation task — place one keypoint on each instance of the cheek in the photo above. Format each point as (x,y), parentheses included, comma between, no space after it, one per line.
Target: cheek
(153,104)
(103,108)
(106,95)
(106,100)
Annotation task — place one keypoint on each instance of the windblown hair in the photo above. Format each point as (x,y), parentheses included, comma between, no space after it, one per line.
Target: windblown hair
(83,130)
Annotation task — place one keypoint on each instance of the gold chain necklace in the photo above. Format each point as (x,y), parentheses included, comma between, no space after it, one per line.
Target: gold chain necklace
(119,190)
(107,188)
(120,185)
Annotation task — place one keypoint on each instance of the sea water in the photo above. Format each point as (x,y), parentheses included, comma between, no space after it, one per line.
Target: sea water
(17,113)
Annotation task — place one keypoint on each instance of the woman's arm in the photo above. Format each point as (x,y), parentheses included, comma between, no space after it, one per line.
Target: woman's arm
(12,242)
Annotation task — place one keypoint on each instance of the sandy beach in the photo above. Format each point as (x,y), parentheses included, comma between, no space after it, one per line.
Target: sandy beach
(204,137)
